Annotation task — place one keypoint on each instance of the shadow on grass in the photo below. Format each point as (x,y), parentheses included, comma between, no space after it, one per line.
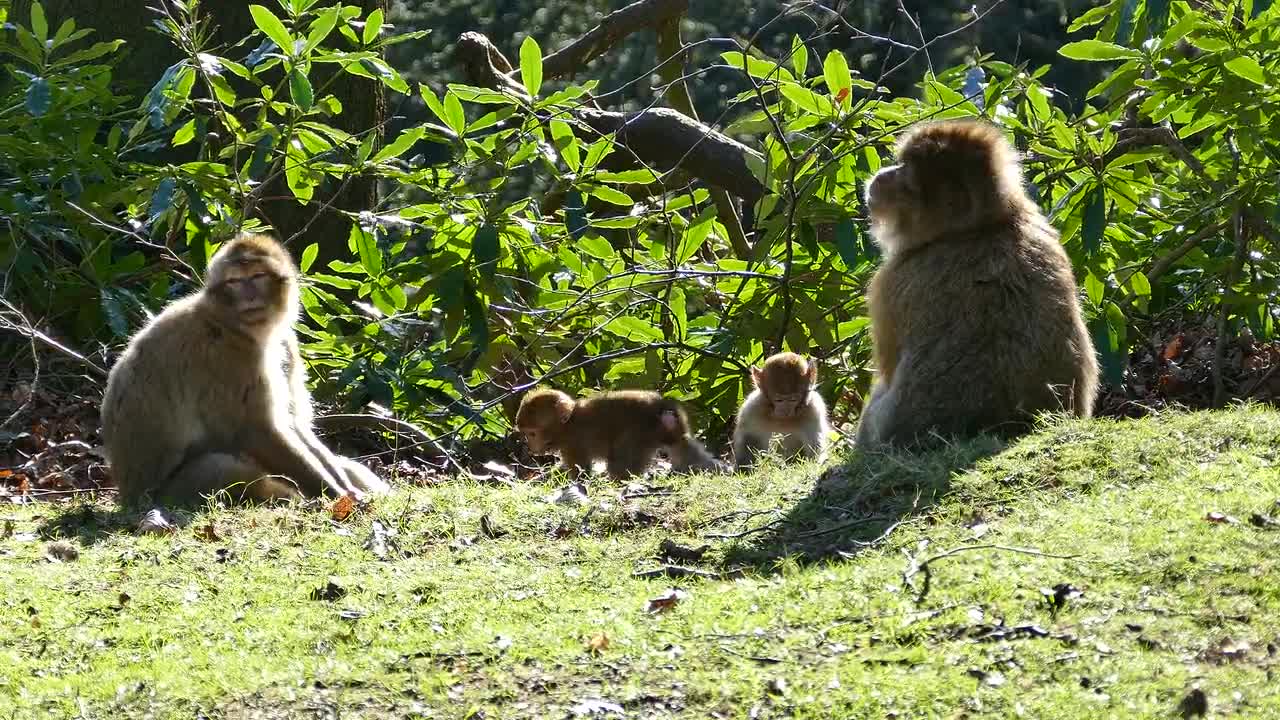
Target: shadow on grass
(855,505)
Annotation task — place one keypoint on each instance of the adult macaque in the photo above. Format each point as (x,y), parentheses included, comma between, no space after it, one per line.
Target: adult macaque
(211,394)
(974,314)
(784,403)
(625,428)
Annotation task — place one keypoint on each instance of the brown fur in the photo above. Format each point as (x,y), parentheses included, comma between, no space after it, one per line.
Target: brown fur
(625,428)
(784,402)
(211,394)
(974,313)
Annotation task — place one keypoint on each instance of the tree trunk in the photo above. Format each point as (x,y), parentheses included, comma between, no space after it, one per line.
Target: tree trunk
(149,53)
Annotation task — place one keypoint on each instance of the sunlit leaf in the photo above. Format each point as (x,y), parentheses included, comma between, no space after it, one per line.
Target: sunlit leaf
(531,65)
(271,26)
(300,90)
(1097,51)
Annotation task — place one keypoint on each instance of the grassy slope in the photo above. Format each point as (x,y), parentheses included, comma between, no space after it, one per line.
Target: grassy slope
(458,622)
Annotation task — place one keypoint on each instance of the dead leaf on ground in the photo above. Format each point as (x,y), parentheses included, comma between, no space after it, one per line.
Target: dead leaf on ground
(208,533)
(489,529)
(1227,650)
(1058,595)
(1222,518)
(575,494)
(155,523)
(1266,522)
(329,592)
(61,551)
(669,549)
(598,643)
(380,540)
(343,508)
(595,707)
(498,468)
(776,686)
(666,601)
(1195,704)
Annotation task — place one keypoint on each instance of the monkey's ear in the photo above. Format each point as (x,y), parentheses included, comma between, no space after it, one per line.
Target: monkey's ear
(812,372)
(757,376)
(564,408)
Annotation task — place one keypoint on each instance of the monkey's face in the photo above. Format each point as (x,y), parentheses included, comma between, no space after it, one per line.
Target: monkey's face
(950,177)
(541,419)
(251,293)
(786,381)
(787,406)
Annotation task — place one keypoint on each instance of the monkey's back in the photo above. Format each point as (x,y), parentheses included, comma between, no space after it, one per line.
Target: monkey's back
(179,388)
(990,319)
(628,416)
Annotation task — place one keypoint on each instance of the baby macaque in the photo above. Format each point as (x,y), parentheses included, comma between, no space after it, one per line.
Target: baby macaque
(625,428)
(784,403)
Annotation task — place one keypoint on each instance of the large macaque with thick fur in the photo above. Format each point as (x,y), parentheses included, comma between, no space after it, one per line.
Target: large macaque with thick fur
(625,428)
(784,403)
(974,313)
(211,394)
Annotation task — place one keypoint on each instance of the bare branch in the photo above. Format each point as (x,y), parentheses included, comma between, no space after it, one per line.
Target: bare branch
(615,26)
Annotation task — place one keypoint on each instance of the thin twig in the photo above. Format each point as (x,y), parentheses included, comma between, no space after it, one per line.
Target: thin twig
(923,566)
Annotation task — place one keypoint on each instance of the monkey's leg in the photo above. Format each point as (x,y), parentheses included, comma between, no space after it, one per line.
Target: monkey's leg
(626,460)
(872,421)
(363,478)
(807,443)
(578,467)
(747,448)
(240,477)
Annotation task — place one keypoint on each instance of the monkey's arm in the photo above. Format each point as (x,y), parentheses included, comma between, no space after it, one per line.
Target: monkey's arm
(282,452)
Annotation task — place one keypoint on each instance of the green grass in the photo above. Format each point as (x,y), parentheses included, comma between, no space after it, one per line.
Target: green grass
(812,611)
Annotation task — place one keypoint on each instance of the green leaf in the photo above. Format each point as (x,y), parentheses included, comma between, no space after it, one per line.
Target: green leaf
(321,28)
(454,116)
(1094,289)
(372,26)
(1157,16)
(185,134)
(531,65)
(300,90)
(1097,51)
(1247,68)
(799,56)
(161,199)
(271,26)
(806,99)
(567,143)
(366,246)
(1139,284)
(633,328)
(309,256)
(847,243)
(38,96)
(835,69)
(1124,25)
(612,196)
(400,145)
(485,247)
(1095,220)
(111,306)
(39,25)
(1107,343)
(575,214)
(695,235)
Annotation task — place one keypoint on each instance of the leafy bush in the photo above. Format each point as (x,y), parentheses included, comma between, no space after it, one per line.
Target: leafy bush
(460,286)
